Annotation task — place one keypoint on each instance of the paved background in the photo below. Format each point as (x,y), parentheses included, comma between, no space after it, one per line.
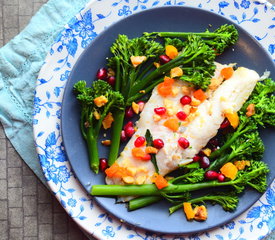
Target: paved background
(27,209)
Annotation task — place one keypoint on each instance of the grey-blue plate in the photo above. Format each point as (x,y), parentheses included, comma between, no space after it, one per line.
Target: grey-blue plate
(247,52)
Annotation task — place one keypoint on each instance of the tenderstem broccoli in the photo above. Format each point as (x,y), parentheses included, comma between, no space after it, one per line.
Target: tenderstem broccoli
(93,115)
(257,169)
(219,39)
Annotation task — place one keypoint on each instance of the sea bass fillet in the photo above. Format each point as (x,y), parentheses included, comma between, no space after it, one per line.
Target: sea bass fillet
(203,120)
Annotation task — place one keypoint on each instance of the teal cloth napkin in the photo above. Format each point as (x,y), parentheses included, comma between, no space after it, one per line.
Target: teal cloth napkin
(20,62)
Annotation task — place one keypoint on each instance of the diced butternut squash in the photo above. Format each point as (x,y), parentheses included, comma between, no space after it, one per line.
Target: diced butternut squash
(233,118)
(200,95)
(160,181)
(100,101)
(188,210)
(150,149)
(165,88)
(107,121)
(172,124)
(241,164)
(171,51)
(229,170)
(227,72)
(135,107)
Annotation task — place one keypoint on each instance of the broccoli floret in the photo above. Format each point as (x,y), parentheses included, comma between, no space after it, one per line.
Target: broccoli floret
(93,113)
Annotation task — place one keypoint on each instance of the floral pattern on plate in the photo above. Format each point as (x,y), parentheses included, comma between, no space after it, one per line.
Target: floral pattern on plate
(257,17)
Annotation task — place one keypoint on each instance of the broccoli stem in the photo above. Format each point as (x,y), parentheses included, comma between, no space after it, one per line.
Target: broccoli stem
(142,202)
(118,77)
(151,189)
(186,34)
(115,138)
(91,140)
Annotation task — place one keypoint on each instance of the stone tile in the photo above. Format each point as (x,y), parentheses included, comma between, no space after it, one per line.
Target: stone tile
(45,213)
(3,149)
(26,170)
(15,197)
(30,205)
(3,189)
(60,224)
(29,185)
(4,230)
(16,234)
(10,2)
(3,210)
(57,208)
(45,232)
(1,42)
(14,177)
(25,7)
(44,195)
(14,160)
(2,132)
(16,217)
(30,226)
(60,236)
(10,16)
(74,232)
(30,238)
(23,21)
(37,6)
(3,169)
(9,33)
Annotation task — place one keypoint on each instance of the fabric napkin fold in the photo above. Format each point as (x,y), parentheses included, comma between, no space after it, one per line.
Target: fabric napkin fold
(20,62)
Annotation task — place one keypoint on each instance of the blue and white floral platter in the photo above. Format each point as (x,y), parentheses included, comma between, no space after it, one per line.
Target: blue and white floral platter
(257,17)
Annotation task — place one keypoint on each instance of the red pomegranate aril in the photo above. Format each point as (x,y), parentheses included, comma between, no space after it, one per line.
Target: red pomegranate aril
(141,105)
(102,74)
(225,124)
(211,175)
(146,157)
(204,162)
(160,110)
(128,124)
(158,143)
(129,112)
(103,164)
(196,158)
(214,142)
(221,177)
(183,142)
(123,137)
(181,115)
(164,59)
(111,80)
(139,141)
(185,100)
(129,131)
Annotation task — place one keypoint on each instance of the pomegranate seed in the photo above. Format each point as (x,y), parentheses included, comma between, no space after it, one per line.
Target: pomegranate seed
(183,142)
(204,162)
(181,115)
(146,157)
(123,137)
(211,175)
(111,80)
(158,143)
(139,141)
(128,124)
(221,177)
(214,142)
(129,131)
(160,110)
(185,100)
(201,153)
(196,158)
(129,112)
(141,105)
(102,74)
(225,124)
(164,59)
(103,164)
